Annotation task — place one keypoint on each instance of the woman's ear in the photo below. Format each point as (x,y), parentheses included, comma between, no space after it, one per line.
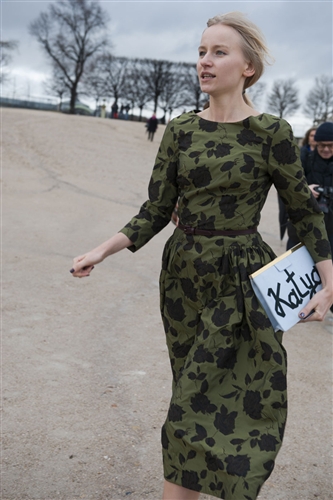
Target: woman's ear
(249,70)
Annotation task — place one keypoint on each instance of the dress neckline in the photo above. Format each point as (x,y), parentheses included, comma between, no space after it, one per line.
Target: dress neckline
(227,123)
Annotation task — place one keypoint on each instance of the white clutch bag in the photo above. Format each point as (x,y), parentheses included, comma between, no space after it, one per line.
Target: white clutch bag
(285,286)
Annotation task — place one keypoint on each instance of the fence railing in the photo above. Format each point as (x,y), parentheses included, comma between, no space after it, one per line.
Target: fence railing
(10,102)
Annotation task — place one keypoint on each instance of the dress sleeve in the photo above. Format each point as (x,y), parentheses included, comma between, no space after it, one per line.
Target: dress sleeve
(156,212)
(288,177)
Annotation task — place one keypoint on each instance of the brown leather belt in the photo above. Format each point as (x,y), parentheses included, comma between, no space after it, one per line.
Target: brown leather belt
(207,232)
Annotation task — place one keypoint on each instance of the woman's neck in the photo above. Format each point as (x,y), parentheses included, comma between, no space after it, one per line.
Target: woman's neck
(228,110)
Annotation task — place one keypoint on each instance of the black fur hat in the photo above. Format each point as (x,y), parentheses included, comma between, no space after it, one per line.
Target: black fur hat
(324,132)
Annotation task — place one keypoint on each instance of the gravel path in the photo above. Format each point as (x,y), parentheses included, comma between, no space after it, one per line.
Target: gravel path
(85,372)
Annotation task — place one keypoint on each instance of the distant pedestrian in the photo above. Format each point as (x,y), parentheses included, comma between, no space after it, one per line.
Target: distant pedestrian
(114,110)
(127,108)
(152,125)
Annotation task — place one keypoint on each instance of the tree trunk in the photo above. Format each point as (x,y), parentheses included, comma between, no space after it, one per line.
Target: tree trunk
(73,100)
(155,104)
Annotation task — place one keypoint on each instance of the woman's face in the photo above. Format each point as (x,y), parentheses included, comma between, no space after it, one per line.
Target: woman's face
(312,142)
(222,67)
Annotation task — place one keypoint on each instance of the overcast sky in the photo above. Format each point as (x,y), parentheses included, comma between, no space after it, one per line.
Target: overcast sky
(298,34)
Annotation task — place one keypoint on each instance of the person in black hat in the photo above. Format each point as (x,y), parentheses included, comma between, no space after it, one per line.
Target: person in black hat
(324,133)
(318,167)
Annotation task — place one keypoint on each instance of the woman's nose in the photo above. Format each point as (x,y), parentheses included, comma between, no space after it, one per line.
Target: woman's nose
(206,60)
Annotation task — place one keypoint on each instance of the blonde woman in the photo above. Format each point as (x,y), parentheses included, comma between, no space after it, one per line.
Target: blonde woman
(228,408)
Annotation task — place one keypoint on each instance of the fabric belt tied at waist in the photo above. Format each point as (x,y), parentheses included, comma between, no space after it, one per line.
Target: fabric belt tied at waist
(217,232)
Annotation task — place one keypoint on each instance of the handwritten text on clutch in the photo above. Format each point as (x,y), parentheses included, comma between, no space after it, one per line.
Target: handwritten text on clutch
(294,294)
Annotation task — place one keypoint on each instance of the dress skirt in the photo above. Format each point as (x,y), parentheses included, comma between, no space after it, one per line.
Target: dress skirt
(228,408)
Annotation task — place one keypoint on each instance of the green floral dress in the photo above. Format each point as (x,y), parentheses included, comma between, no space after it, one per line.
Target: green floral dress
(228,408)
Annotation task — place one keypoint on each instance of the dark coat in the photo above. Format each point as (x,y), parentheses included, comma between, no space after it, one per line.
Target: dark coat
(317,171)
(320,171)
(152,124)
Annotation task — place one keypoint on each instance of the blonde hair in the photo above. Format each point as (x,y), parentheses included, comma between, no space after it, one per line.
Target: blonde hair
(253,44)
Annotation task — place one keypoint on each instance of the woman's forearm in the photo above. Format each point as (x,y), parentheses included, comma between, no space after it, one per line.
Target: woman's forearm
(118,242)
(84,264)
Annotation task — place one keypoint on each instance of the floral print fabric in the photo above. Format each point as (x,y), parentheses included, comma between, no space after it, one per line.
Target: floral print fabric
(228,408)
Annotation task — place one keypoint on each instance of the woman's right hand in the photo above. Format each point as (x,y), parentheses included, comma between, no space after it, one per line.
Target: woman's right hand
(84,264)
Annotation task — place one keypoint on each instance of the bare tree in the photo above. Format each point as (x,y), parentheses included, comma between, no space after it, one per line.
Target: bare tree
(94,80)
(173,93)
(6,49)
(115,71)
(136,89)
(256,92)
(71,33)
(156,73)
(283,100)
(57,85)
(195,98)
(319,101)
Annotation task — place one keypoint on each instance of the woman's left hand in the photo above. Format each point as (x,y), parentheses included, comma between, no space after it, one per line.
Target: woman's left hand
(319,305)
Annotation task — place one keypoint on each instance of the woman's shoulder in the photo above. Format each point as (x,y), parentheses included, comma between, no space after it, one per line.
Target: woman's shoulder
(273,125)
(182,124)
(268,119)
(183,118)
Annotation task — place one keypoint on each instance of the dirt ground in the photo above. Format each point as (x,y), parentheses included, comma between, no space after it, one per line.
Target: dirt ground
(85,372)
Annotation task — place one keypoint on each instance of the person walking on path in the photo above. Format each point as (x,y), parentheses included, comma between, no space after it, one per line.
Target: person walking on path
(114,110)
(152,125)
(228,408)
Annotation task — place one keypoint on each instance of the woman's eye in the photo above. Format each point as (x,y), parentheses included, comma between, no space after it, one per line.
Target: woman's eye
(201,53)
(220,53)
